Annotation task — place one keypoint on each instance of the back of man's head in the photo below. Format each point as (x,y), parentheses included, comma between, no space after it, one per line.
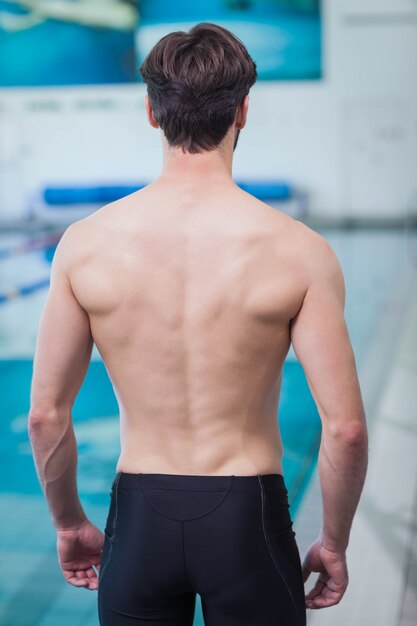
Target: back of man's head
(196,80)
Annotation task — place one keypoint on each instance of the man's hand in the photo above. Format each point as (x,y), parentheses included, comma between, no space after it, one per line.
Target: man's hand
(78,550)
(333,579)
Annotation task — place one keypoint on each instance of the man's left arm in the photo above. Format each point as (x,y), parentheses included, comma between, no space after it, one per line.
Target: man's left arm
(63,350)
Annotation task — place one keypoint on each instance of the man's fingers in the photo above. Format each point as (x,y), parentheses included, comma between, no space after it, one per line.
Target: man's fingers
(77,581)
(92,578)
(321,602)
(322,596)
(315,591)
(79,578)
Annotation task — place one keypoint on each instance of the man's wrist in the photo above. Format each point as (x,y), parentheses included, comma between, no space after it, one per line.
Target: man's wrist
(71,527)
(76,522)
(337,547)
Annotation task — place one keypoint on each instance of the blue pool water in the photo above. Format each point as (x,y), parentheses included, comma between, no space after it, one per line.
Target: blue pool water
(32,588)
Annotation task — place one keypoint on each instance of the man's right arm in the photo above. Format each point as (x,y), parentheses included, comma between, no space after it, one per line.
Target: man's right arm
(321,343)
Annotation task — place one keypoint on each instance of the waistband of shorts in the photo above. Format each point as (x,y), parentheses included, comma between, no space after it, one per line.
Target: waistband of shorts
(193,482)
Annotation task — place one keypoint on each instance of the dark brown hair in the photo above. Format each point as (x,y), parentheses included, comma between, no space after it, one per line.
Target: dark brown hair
(196,81)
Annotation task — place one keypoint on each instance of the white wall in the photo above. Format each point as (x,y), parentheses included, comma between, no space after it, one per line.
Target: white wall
(350,139)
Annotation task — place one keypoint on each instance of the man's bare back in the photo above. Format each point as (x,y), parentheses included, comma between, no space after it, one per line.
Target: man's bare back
(193,291)
(190,297)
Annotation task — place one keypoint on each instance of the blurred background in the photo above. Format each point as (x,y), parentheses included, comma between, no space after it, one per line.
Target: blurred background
(331,139)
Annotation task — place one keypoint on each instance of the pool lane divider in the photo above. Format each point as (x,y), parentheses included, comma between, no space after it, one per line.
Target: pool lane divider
(24,290)
(36,243)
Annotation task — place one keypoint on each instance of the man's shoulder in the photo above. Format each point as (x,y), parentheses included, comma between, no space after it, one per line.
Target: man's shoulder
(321,263)
(75,233)
(94,229)
(304,239)
(78,239)
(313,251)
(315,245)
(86,227)
(303,235)
(271,215)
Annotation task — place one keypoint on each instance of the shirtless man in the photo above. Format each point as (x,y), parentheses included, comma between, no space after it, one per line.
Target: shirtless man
(193,291)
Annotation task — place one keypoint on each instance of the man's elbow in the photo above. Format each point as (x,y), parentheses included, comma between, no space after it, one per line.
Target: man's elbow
(356,435)
(353,434)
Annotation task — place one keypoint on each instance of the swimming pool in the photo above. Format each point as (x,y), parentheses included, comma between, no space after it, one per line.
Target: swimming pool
(32,588)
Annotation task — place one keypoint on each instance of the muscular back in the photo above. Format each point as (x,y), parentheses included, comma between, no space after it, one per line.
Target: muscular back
(190,300)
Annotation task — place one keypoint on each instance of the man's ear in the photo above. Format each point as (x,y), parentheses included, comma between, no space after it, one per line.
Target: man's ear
(149,113)
(242,113)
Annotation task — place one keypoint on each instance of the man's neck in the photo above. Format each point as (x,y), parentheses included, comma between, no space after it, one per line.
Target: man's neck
(200,169)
